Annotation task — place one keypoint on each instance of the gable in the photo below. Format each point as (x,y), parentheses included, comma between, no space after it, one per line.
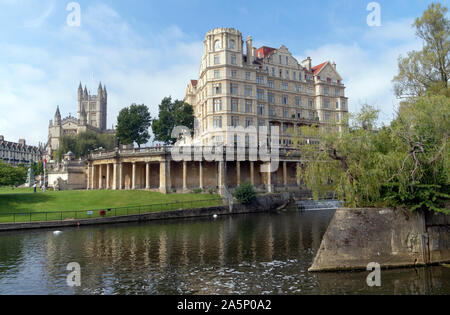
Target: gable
(327,71)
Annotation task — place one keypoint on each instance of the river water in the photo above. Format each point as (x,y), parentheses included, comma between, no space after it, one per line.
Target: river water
(267,253)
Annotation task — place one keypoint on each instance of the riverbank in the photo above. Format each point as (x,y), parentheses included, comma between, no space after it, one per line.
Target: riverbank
(262,203)
(391,238)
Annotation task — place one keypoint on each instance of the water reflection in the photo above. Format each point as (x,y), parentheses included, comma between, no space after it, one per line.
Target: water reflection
(247,254)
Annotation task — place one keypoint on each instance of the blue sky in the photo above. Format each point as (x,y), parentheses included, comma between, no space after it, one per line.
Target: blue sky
(145,50)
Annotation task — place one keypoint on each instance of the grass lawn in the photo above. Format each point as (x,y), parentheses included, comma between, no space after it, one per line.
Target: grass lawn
(63,205)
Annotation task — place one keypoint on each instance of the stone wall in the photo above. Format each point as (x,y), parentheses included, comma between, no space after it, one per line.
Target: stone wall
(392,238)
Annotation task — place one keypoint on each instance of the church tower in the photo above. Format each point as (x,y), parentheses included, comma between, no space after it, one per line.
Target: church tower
(94,107)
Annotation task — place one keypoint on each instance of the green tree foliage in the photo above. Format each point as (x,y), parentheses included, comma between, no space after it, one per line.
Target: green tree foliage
(12,176)
(38,168)
(133,124)
(429,68)
(81,144)
(172,114)
(245,193)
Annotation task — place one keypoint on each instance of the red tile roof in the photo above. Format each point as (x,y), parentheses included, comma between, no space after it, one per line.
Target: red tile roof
(264,51)
(318,68)
(194,83)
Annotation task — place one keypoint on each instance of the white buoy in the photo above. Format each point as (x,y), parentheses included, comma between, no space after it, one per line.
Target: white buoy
(215,216)
(57,232)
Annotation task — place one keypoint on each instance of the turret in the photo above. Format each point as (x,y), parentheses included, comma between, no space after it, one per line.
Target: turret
(105,95)
(250,50)
(100,90)
(85,93)
(83,118)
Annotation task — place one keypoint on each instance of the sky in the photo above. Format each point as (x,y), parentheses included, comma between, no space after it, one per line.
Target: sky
(145,50)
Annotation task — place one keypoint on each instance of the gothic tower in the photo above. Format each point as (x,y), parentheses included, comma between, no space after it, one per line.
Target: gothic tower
(94,107)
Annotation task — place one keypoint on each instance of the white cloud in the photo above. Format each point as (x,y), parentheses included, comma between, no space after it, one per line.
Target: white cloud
(369,66)
(134,70)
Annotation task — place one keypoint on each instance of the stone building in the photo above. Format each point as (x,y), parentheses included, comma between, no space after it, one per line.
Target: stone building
(15,153)
(91,115)
(247,86)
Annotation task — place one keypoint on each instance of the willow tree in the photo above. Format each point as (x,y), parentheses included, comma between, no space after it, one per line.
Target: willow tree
(345,161)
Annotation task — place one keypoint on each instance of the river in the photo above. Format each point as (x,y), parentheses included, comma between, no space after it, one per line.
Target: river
(266,253)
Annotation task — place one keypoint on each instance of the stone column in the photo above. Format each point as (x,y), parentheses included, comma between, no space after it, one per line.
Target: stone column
(133,176)
(88,177)
(185,176)
(163,177)
(120,176)
(107,176)
(115,171)
(147,175)
(238,173)
(252,173)
(201,174)
(100,179)
(93,177)
(222,177)
(269,185)
(285,181)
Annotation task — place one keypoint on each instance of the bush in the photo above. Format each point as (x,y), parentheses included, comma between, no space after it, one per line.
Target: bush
(198,191)
(245,193)
(212,191)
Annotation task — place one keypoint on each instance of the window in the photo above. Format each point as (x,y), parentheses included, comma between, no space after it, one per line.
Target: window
(280,59)
(287,60)
(233,73)
(295,75)
(298,88)
(310,90)
(234,89)
(337,104)
(287,74)
(273,72)
(260,109)
(217,45)
(285,127)
(217,89)
(259,79)
(216,74)
(261,123)
(248,106)
(311,114)
(233,59)
(260,94)
(234,121)
(217,105)
(326,90)
(327,116)
(247,76)
(217,122)
(310,103)
(298,101)
(284,99)
(248,90)
(272,111)
(326,103)
(234,105)
(299,114)
(271,98)
(337,117)
(343,104)
(248,122)
(216,59)
(270,84)
(285,86)
(285,113)
(232,44)
(337,92)
(281,73)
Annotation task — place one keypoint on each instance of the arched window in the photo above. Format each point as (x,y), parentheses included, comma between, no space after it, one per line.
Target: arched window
(217,45)
(232,44)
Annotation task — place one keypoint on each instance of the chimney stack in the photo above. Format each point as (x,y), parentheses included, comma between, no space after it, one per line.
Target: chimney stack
(249,50)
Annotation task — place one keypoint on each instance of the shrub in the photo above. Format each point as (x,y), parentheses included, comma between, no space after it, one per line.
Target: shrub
(198,191)
(212,191)
(245,193)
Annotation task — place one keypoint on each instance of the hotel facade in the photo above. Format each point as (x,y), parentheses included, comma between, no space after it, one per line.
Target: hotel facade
(247,86)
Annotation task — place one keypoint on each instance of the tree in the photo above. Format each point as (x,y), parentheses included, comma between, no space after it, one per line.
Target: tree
(133,123)
(428,69)
(245,193)
(12,176)
(171,115)
(84,142)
